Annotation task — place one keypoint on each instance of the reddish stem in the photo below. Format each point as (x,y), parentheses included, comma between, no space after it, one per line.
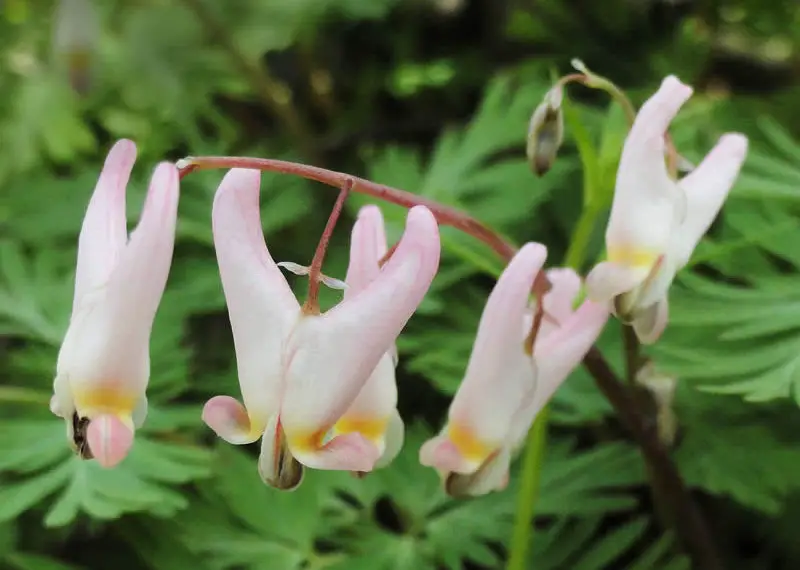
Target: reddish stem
(388,255)
(311,306)
(445,215)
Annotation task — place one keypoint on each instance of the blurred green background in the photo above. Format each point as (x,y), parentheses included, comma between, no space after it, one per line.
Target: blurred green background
(432,96)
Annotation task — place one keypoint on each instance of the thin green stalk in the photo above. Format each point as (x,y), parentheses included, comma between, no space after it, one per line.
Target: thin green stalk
(528,495)
(533,458)
(581,238)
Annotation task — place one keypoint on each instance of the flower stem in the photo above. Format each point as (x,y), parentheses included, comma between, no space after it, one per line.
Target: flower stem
(688,521)
(528,494)
(311,306)
(445,215)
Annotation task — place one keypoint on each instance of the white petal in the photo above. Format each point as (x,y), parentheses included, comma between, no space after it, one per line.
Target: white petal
(393,441)
(706,189)
(331,356)
(261,306)
(105,353)
(651,322)
(500,375)
(104,230)
(646,201)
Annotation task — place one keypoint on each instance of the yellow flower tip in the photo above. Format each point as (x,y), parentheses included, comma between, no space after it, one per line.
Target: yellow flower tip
(105,400)
(632,256)
(471,448)
(306,440)
(372,428)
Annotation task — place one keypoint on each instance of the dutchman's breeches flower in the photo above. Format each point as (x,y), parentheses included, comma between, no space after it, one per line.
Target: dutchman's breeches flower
(505,385)
(318,389)
(656,222)
(104,362)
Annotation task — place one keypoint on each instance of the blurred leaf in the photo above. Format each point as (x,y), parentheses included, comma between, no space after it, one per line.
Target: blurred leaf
(37,454)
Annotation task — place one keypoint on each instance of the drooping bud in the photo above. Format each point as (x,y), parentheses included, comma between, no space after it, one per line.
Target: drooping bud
(662,388)
(76,31)
(545,132)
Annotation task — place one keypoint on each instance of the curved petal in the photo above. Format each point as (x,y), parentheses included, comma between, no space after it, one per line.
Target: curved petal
(646,200)
(367,246)
(393,440)
(104,231)
(558,302)
(440,452)
(651,322)
(558,354)
(500,373)
(229,420)
(371,411)
(105,353)
(110,439)
(261,306)
(347,452)
(331,356)
(706,189)
(608,280)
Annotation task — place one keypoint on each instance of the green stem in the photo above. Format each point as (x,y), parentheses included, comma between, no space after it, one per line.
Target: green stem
(533,459)
(581,238)
(529,492)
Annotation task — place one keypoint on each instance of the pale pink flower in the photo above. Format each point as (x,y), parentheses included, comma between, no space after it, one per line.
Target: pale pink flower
(301,374)
(656,222)
(104,362)
(505,386)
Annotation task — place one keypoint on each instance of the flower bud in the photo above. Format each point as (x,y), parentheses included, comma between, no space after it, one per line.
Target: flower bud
(662,389)
(76,33)
(545,132)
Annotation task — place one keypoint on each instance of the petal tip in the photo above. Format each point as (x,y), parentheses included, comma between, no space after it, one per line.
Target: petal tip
(227,418)
(421,215)
(369,211)
(675,86)
(735,144)
(110,439)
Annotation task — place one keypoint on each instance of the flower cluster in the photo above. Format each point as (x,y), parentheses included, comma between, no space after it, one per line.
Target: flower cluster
(318,389)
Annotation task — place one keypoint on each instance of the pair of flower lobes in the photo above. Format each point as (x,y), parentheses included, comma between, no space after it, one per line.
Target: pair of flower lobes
(319,389)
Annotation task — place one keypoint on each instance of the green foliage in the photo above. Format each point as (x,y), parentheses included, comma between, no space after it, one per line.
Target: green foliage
(433,98)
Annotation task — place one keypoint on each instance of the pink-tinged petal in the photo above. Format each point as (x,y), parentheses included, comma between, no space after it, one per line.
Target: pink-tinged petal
(105,353)
(261,306)
(367,246)
(441,453)
(647,203)
(500,375)
(229,420)
(558,354)
(104,231)
(651,322)
(330,357)
(706,189)
(277,467)
(607,280)
(109,439)
(346,452)
(558,302)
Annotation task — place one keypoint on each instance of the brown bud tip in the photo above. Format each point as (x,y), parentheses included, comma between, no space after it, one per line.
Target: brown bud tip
(545,132)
